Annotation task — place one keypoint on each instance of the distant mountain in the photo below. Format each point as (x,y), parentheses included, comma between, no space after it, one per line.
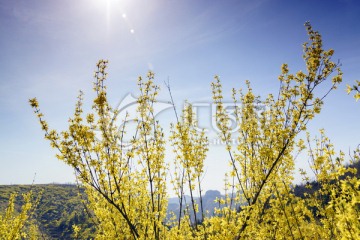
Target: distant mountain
(208,201)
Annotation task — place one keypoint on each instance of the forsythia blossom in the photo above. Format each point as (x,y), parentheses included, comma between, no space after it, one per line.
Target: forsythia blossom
(127,187)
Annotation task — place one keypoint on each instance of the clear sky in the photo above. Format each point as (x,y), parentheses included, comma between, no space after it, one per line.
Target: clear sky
(49,50)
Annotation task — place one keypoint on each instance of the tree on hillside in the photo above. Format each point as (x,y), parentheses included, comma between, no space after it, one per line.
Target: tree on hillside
(127,186)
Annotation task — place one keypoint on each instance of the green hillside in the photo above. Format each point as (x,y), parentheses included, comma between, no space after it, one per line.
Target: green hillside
(60,207)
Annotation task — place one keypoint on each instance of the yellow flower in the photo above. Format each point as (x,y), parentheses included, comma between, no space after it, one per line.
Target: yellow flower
(357,96)
(34,103)
(348,88)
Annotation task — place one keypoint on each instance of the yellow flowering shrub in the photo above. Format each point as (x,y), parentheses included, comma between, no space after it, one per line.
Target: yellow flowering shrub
(15,225)
(190,148)
(127,186)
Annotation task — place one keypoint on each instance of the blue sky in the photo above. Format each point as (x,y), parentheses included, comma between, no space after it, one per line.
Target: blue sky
(49,50)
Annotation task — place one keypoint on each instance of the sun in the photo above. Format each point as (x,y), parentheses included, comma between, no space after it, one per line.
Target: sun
(111,9)
(108,8)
